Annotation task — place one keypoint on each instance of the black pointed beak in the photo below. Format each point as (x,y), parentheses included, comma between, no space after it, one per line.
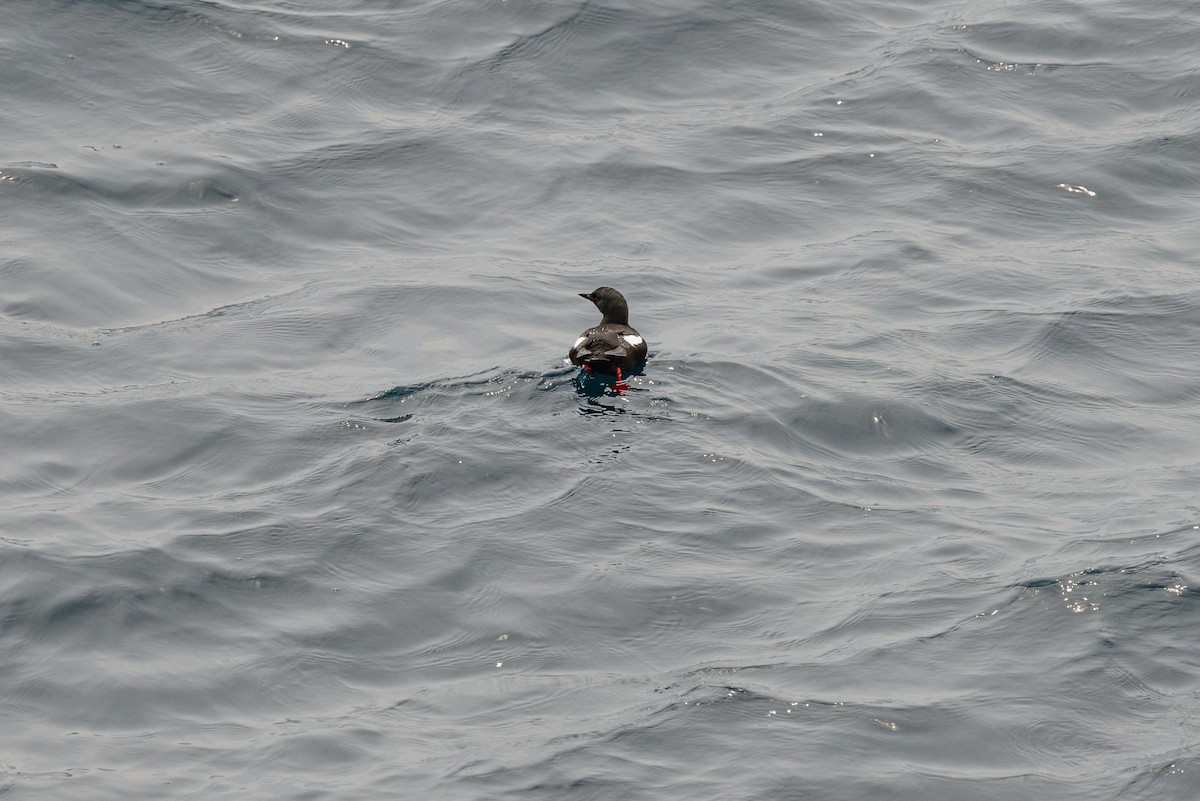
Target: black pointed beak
(585,296)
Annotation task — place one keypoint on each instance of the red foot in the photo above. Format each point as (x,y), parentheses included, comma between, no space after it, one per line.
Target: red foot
(620,386)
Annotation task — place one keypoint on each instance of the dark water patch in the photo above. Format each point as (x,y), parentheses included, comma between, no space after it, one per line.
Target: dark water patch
(1168,777)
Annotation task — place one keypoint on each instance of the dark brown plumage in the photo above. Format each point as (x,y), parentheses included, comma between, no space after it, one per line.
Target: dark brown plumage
(613,347)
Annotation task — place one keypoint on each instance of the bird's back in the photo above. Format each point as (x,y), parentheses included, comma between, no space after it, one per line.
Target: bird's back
(609,346)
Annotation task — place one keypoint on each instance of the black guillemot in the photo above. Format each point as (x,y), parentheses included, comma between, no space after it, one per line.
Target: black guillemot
(613,347)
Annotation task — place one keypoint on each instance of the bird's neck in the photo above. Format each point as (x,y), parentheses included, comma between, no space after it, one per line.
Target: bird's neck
(617,314)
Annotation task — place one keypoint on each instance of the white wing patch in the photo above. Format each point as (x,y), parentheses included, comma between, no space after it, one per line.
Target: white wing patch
(632,339)
(578,342)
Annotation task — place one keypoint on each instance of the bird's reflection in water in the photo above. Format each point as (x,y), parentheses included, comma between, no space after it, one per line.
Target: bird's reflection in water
(596,388)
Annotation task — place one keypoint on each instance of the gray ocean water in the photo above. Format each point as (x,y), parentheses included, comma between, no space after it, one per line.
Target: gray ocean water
(300,500)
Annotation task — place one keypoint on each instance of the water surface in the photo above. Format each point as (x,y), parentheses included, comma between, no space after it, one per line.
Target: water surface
(298,498)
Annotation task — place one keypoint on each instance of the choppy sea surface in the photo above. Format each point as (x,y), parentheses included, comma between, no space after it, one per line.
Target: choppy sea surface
(300,500)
